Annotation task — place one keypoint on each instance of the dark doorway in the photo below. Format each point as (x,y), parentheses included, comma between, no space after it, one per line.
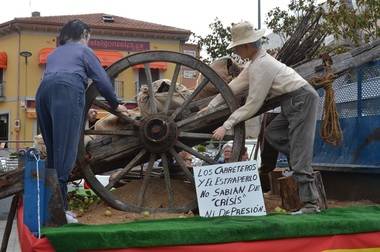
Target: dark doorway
(4,129)
(143,79)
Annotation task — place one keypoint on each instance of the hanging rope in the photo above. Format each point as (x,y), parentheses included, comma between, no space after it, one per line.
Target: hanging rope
(331,131)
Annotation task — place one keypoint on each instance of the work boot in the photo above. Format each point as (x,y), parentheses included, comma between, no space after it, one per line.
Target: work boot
(308,208)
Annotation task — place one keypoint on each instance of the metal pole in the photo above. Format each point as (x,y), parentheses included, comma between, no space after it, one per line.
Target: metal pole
(359,102)
(25,97)
(259,14)
(18,89)
(8,227)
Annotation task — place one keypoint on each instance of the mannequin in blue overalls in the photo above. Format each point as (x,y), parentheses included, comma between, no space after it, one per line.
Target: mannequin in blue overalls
(60,98)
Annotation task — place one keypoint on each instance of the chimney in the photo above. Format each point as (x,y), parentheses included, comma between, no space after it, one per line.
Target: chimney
(108,19)
(36,14)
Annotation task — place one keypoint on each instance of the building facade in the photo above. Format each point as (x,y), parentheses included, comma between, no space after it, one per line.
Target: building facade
(25,44)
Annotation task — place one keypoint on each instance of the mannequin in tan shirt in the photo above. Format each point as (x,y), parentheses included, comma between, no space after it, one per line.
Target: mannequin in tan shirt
(292,131)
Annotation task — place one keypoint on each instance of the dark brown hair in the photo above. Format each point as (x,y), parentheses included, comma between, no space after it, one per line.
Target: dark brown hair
(73,30)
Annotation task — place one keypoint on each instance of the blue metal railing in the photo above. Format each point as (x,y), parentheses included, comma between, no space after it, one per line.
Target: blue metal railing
(358,103)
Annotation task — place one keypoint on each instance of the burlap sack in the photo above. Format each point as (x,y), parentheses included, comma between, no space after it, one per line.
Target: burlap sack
(112,122)
(39,144)
(227,68)
(160,90)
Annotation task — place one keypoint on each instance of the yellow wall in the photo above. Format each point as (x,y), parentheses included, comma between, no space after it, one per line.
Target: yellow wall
(30,75)
(23,79)
(10,45)
(130,76)
(33,42)
(173,46)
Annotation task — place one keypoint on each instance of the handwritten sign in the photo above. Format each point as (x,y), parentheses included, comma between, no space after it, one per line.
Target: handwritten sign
(229,189)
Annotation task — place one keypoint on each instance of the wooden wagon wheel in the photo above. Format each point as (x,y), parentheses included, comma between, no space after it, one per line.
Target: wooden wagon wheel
(159,135)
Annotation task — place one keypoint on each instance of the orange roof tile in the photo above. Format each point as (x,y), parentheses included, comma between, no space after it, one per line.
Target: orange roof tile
(95,21)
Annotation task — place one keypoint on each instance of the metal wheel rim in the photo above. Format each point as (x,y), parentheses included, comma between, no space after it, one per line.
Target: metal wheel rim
(142,58)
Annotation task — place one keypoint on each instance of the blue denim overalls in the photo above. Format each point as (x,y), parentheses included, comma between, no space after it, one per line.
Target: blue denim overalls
(60,102)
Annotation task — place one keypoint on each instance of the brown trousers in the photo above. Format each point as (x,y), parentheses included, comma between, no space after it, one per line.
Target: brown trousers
(292,133)
(268,153)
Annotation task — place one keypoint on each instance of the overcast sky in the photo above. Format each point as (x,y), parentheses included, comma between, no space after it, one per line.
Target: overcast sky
(194,15)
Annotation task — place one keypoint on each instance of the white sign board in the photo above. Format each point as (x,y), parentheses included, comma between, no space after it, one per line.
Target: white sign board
(190,52)
(189,74)
(229,189)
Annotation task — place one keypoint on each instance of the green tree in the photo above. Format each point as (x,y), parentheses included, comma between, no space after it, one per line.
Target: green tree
(355,25)
(300,28)
(337,18)
(216,42)
(284,22)
(303,27)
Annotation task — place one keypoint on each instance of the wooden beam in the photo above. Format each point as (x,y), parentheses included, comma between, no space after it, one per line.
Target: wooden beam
(11,183)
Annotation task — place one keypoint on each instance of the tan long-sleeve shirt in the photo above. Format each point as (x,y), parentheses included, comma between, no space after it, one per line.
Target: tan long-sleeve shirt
(265,78)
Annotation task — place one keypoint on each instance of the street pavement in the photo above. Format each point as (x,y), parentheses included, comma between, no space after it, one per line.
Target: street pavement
(13,244)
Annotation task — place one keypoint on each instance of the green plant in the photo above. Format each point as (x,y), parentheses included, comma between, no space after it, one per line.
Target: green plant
(80,200)
(14,155)
(201,148)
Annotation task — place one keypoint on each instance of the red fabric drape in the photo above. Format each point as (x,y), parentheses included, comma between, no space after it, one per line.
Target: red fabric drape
(354,242)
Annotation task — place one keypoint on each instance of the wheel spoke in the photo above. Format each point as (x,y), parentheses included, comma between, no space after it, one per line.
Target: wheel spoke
(194,153)
(172,88)
(126,169)
(167,179)
(182,165)
(104,106)
(146,180)
(187,102)
(111,132)
(202,135)
(152,105)
(103,193)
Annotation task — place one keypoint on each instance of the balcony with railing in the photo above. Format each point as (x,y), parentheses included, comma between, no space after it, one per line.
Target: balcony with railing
(119,88)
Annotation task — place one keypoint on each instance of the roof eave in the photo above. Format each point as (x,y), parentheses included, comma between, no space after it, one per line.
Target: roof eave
(6,28)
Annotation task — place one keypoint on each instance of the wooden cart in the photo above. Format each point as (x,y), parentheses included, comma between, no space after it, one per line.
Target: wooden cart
(163,135)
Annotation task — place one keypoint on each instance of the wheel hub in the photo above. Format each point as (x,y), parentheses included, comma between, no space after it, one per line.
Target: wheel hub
(158,133)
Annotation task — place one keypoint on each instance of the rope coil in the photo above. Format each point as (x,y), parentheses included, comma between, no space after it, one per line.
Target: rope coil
(331,131)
